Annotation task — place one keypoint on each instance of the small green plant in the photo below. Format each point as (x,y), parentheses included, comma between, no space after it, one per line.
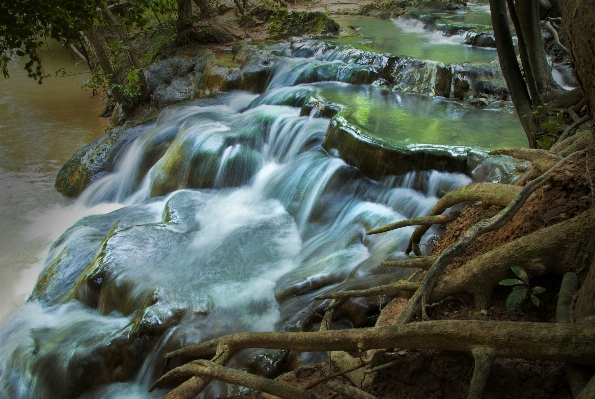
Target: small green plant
(521,289)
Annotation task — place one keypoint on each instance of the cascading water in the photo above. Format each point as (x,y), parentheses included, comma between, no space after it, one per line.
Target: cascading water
(226,210)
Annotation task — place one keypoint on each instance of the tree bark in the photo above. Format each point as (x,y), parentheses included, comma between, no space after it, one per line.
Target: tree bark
(105,65)
(510,69)
(131,53)
(551,341)
(528,11)
(578,24)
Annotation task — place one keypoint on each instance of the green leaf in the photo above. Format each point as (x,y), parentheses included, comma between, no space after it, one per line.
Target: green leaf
(516,296)
(510,281)
(551,127)
(535,300)
(537,290)
(560,116)
(482,312)
(521,273)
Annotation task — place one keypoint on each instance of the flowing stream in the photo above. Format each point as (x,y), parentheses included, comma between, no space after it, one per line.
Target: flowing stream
(223,215)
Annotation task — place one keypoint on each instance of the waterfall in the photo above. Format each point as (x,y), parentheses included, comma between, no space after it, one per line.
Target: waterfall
(220,213)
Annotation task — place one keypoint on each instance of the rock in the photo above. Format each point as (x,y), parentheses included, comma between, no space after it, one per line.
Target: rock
(480,39)
(377,159)
(479,102)
(95,159)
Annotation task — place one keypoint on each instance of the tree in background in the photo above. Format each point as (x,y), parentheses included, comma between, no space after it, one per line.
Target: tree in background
(533,89)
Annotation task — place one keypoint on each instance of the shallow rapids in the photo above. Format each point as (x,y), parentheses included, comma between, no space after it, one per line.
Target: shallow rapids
(226,214)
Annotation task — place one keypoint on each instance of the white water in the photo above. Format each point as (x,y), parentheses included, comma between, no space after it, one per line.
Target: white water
(240,213)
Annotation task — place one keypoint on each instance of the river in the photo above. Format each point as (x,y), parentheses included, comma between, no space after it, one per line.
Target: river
(225,214)
(41,126)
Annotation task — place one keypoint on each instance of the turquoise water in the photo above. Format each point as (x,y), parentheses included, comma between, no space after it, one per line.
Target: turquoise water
(407,37)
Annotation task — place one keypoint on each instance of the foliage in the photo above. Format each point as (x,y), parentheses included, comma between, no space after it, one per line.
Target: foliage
(24,24)
(521,289)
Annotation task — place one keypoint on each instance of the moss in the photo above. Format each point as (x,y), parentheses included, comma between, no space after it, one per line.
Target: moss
(283,24)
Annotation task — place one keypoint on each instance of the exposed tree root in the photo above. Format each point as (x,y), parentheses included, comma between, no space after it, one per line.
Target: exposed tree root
(541,161)
(421,221)
(348,391)
(487,193)
(389,290)
(570,129)
(232,376)
(484,358)
(418,262)
(552,249)
(568,288)
(421,296)
(561,342)
(589,391)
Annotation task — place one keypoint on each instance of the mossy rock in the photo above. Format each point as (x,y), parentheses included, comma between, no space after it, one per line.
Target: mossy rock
(378,159)
(283,23)
(95,160)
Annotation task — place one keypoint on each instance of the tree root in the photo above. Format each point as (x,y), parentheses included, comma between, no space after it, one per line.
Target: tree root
(570,130)
(421,296)
(561,342)
(552,249)
(418,262)
(568,288)
(425,221)
(484,358)
(488,193)
(541,161)
(389,290)
(232,376)
(348,391)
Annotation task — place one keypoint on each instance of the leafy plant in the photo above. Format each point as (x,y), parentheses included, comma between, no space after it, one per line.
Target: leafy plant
(521,289)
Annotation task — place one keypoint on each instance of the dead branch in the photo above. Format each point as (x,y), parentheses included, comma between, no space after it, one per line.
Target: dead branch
(388,290)
(425,221)
(487,193)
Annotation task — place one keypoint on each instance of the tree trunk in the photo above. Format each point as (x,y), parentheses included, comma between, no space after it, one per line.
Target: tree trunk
(510,68)
(528,11)
(105,65)
(184,14)
(578,24)
(131,53)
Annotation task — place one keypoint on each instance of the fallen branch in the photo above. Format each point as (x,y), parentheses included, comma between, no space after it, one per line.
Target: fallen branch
(487,193)
(421,221)
(389,290)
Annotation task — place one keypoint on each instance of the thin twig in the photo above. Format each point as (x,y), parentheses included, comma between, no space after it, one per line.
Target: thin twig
(337,374)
